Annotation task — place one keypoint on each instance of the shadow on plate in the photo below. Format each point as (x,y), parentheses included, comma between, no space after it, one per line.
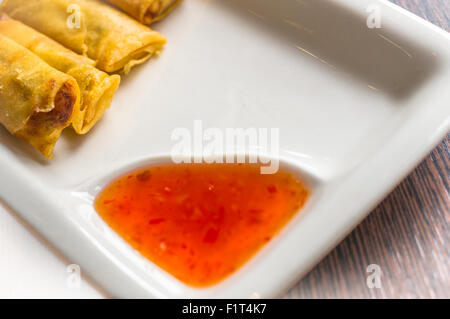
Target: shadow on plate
(335,35)
(20,148)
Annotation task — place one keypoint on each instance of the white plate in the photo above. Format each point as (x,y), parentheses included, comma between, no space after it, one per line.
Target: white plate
(357,109)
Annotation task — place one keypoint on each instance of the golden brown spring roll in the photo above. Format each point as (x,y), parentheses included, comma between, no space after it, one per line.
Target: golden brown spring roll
(111,38)
(36,100)
(96,87)
(146,11)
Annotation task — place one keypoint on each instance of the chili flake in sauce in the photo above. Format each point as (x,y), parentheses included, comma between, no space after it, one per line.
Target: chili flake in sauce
(200,222)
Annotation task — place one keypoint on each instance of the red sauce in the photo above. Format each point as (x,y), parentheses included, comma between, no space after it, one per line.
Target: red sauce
(200,222)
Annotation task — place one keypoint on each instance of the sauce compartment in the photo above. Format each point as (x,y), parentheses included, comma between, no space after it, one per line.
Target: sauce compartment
(200,222)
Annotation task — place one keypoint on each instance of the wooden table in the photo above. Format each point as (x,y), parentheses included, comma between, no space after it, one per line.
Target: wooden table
(407,235)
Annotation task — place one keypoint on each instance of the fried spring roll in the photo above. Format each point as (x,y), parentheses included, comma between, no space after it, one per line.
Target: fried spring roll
(146,11)
(111,38)
(96,87)
(36,101)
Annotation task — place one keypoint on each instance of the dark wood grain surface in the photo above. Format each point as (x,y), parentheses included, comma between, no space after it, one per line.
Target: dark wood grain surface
(407,235)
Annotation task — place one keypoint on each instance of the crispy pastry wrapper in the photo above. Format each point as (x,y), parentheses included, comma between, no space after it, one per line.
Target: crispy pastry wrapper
(96,87)
(36,101)
(146,11)
(115,41)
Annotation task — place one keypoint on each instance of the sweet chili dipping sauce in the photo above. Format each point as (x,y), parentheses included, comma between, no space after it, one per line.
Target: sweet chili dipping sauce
(200,222)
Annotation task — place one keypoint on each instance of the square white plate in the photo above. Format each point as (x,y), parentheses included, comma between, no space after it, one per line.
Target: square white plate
(357,109)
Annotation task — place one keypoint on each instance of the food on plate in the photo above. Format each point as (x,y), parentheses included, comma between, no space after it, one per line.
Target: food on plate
(146,11)
(115,41)
(36,101)
(57,57)
(96,87)
(200,222)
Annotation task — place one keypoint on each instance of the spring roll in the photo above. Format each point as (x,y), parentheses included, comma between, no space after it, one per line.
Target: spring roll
(111,38)
(36,101)
(146,11)
(96,87)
